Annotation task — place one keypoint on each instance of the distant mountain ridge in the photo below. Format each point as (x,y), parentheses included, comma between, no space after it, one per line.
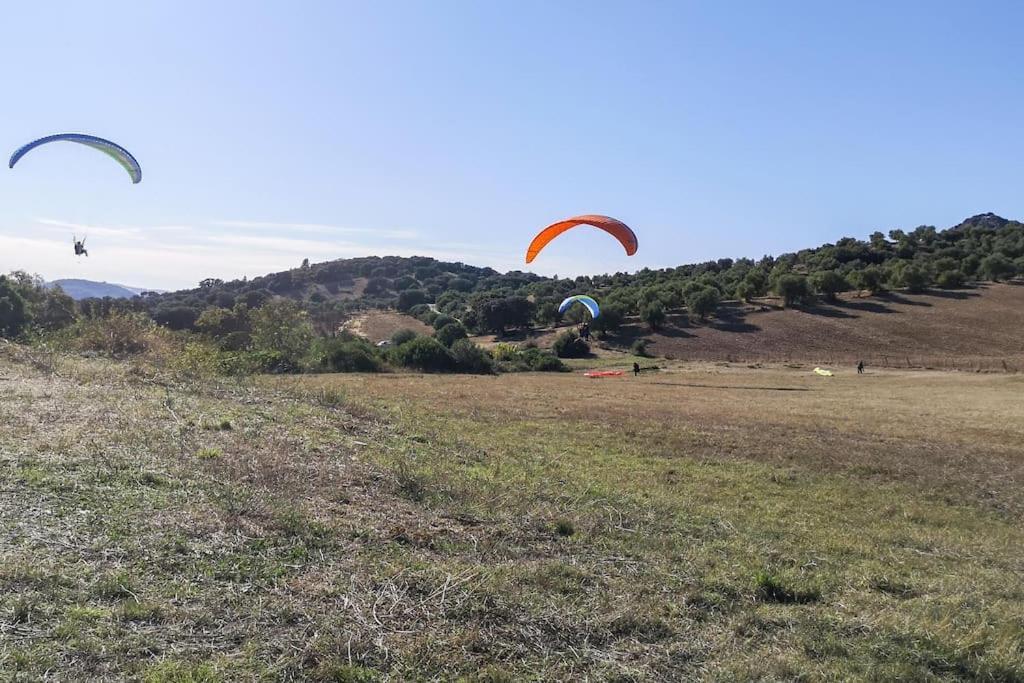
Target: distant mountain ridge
(89,289)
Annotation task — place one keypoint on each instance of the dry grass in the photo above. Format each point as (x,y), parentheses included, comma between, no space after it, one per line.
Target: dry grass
(971,329)
(694,523)
(380,325)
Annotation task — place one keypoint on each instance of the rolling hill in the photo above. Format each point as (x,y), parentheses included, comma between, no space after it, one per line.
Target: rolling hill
(89,289)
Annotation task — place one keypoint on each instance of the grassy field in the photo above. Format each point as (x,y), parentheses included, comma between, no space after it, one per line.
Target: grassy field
(699,522)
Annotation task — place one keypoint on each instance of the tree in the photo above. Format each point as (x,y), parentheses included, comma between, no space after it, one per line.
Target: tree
(793,289)
(460,284)
(450,333)
(912,276)
(410,298)
(495,315)
(610,320)
(176,317)
(13,311)
(950,279)
(745,291)
(377,285)
(404,282)
(703,302)
(828,283)
(870,279)
(996,267)
(281,326)
(654,315)
(547,313)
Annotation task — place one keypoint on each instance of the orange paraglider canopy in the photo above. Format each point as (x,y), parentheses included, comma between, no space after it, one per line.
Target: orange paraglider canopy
(613,227)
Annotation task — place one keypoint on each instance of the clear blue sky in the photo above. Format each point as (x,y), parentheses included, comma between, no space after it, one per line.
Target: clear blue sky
(269,132)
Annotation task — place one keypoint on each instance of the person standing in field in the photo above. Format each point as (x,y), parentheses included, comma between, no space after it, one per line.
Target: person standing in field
(860,367)
(636,369)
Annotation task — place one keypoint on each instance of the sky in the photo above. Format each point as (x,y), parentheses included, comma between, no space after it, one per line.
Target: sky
(270,132)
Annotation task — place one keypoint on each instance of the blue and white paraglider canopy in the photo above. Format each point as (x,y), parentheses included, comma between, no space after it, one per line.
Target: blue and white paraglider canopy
(112,149)
(583,299)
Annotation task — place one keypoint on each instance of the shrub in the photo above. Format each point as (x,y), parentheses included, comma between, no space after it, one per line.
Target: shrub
(402,336)
(569,345)
(450,333)
(349,355)
(471,358)
(639,348)
(121,334)
(424,353)
(539,361)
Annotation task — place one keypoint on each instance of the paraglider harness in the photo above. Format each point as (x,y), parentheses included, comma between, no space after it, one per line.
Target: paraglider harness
(80,247)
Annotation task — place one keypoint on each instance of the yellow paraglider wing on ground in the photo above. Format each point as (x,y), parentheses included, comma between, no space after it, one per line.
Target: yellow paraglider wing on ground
(823,373)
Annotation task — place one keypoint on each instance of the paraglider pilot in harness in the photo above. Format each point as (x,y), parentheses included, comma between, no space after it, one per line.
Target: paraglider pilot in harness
(80,247)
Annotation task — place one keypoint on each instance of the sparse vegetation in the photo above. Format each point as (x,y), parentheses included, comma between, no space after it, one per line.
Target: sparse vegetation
(447,526)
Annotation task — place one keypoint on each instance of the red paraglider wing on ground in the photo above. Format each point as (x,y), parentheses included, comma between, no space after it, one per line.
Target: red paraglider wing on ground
(616,228)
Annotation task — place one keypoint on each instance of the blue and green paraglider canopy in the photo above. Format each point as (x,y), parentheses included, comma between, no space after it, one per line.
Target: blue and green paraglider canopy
(112,149)
(583,299)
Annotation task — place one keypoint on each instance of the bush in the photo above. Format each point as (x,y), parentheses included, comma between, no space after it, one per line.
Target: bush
(349,355)
(121,334)
(569,345)
(639,348)
(471,358)
(539,361)
(402,336)
(425,354)
(450,333)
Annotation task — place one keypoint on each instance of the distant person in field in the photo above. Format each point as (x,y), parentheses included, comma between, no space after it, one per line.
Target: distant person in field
(860,367)
(636,369)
